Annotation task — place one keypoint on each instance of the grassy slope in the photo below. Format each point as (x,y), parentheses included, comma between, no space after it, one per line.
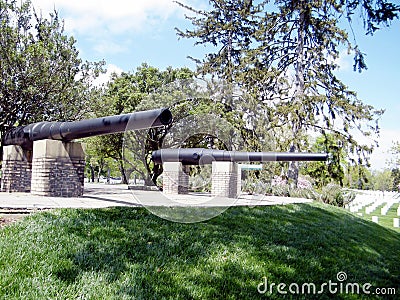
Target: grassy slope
(125,253)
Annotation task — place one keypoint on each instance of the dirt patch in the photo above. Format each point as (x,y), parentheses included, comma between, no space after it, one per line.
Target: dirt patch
(7,219)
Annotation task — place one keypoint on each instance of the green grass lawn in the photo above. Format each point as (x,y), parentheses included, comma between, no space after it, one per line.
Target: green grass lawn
(127,253)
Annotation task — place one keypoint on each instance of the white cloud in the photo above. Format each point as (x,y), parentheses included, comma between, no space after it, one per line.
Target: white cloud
(104,78)
(114,17)
(100,23)
(344,61)
(110,47)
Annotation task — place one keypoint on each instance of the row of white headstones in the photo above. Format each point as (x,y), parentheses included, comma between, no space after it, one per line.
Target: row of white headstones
(371,200)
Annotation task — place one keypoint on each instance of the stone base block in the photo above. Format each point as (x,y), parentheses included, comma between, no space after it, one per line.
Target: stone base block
(16,169)
(175,179)
(57,169)
(224,181)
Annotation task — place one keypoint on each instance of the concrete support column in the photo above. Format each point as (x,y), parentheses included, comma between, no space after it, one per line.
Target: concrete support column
(224,179)
(175,180)
(16,169)
(239,179)
(57,168)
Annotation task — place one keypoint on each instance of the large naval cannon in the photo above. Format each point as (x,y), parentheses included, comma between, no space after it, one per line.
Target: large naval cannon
(43,158)
(226,173)
(24,136)
(196,156)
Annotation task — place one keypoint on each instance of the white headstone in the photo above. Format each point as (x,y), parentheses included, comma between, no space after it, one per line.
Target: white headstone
(396,222)
(375,219)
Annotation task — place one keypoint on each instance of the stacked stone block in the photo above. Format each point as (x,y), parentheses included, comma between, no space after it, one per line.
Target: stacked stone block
(16,169)
(239,180)
(57,169)
(224,179)
(175,179)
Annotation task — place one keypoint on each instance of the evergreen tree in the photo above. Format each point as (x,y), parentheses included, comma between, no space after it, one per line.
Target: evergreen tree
(41,76)
(284,52)
(333,169)
(126,93)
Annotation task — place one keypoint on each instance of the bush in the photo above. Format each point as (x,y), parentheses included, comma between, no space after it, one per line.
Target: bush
(308,193)
(279,187)
(349,196)
(198,183)
(259,187)
(332,194)
(281,190)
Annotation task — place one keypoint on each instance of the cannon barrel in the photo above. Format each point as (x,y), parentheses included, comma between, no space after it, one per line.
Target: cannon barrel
(196,156)
(68,131)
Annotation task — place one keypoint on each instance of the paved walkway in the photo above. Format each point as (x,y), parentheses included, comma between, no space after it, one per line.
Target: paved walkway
(103,195)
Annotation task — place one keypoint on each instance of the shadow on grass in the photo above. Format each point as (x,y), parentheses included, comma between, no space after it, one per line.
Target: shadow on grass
(142,256)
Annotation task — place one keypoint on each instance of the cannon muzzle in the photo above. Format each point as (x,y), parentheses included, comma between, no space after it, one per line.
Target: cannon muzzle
(200,156)
(68,131)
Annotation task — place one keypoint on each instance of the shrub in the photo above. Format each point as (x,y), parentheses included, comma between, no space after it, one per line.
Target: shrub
(308,193)
(281,190)
(332,194)
(199,183)
(258,187)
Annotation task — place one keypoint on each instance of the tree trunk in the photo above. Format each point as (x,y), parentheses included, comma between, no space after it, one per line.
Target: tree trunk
(123,172)
(128,173)
(293,171)
(91,173)
(98,175)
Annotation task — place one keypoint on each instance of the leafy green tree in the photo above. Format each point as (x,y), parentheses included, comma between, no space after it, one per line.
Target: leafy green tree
(382,180)
(284,51)
(119,96)
(41,75)
(396,179)
(358,177)
(124,94)
(95,164)
(189,102)
(332,170)
(395,165)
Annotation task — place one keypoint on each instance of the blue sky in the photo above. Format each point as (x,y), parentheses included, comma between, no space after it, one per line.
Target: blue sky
(127,33)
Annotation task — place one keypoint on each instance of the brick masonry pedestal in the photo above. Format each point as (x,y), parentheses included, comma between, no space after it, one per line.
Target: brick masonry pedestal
(57,168)
(175,180)
(16,169)
(224,179)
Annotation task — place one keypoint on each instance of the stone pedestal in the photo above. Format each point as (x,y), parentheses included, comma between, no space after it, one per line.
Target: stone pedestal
(175,180)
(16,169)
(57,168)
(239,179)
(224,181)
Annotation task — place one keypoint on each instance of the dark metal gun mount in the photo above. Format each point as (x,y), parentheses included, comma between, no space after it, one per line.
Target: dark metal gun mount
(196,156)
(68,131)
